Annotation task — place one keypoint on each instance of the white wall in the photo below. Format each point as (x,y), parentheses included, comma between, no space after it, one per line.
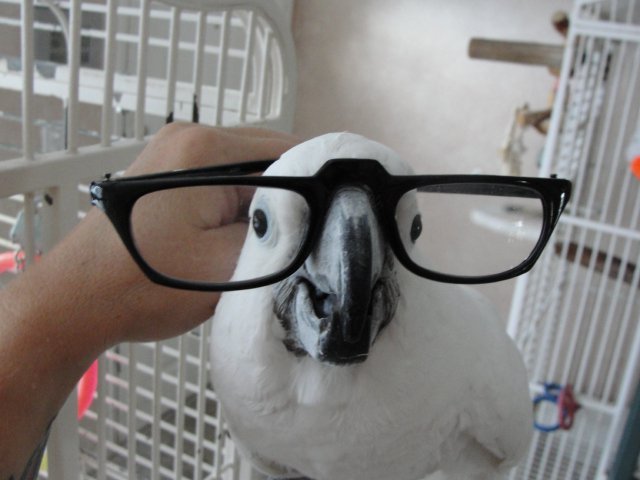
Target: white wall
(398,72)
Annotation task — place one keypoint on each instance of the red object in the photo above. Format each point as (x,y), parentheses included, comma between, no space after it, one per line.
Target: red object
(13,261)
(635,167)
(567,407)
(87,388)
(8,262)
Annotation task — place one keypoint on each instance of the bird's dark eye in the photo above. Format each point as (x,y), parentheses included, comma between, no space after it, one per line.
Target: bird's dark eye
(259,222)
(416,228)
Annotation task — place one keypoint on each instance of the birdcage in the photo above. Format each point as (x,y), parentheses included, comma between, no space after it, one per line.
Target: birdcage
(83,84)
(575,317)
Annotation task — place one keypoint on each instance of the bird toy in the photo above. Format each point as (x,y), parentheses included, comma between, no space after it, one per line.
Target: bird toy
(566,403)
(633,154)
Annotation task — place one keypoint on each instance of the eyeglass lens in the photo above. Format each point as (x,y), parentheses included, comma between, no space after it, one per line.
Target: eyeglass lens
(205,228)
(485,230)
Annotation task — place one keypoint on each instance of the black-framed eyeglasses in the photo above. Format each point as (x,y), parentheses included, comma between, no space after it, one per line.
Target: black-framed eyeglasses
(448,228)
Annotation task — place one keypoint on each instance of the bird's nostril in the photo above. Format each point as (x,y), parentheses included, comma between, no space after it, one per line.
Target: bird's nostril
(322,302)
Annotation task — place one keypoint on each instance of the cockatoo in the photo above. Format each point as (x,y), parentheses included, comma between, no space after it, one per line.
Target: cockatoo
(415,376)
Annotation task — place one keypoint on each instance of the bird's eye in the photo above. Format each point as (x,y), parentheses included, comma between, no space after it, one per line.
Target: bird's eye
(416,228)
(259,222)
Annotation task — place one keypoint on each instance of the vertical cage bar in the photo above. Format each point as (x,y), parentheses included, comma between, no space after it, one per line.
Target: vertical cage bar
(549,152)
(180,400)
(205,331)
(199,58)
(246,68)
(222,65)
(141,70)
(264,55)
(26,38)
(29,241)
(515,310)
(218,458)
(580,435)
(27,56)
(172,65)
(101,410)
(109,71)
(236,465)
(131,413)
(157,410)
(541,329)
(528,466)
(73,49)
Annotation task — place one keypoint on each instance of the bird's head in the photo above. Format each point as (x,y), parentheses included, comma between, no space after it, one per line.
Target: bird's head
(336,304)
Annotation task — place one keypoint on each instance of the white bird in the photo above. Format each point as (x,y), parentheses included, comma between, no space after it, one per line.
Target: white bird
(427,380)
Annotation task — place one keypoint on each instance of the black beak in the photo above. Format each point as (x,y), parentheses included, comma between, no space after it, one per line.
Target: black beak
(341,297)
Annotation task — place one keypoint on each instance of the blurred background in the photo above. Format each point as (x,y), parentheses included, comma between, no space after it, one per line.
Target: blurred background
(400,73)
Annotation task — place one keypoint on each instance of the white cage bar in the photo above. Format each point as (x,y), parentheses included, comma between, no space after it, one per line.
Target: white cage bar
(576,316)
(91,82)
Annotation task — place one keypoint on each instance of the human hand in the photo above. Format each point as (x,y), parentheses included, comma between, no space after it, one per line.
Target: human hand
(192,233)
(88,294)
(198,236)
(104,280)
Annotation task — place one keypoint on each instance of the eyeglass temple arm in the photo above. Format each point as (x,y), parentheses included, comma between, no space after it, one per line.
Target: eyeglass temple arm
(245,168)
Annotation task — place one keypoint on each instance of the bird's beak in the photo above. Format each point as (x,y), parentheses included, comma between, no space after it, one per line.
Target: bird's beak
(345,293)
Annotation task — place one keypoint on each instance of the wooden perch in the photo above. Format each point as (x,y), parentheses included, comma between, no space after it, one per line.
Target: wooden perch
(537,119)
(517,52)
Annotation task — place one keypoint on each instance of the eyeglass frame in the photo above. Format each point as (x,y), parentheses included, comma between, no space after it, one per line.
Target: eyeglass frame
(116,197)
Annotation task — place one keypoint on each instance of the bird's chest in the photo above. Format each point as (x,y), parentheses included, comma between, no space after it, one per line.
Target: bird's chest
(388,417)
(328,422)
(326,443)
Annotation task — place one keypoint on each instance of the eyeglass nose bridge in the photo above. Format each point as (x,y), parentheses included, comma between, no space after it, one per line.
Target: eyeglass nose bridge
(368,175)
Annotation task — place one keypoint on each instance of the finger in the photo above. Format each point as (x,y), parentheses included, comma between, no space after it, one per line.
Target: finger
(257,132)
(183,146)
(238,144)
(202,146)
(241,149)
(256,136)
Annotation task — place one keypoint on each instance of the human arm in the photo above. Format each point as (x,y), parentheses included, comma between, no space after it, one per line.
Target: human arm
(87,294)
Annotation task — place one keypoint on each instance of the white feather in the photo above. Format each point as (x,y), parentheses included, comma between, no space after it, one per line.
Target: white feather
(443,388)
